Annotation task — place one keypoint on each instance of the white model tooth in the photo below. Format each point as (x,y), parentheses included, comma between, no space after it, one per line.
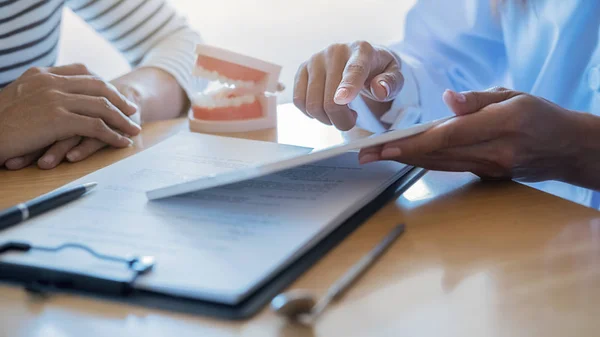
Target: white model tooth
(212,102)
(222,102)
(207,74)
(244,84)
(211,75)
(214,75)
(230,102)
(236,83)
(209,104)
(245,99)
(199,100)
(233,102)
(218,103)
(220,92)
(203,101)
(204,73)
(225,102)
(237,101)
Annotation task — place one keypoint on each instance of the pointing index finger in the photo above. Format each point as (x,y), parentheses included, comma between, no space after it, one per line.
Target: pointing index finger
(355,75)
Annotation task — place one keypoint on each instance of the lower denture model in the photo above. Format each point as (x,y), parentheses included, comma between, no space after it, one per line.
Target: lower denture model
(245,98)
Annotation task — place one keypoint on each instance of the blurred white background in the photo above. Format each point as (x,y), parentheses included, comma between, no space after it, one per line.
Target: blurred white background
(280,31)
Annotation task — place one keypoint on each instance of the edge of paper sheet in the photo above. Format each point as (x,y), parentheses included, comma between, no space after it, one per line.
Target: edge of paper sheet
(244,174)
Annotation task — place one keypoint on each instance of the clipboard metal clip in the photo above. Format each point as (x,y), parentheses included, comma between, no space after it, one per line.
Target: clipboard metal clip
(40,279)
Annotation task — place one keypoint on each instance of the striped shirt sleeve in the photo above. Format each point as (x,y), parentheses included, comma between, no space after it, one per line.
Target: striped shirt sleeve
(29,35)
(146,32)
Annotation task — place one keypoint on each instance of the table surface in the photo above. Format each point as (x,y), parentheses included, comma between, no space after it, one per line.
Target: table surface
(478,259)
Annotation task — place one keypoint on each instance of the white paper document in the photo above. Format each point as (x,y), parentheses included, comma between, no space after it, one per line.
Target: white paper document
(216,244)
(277,165)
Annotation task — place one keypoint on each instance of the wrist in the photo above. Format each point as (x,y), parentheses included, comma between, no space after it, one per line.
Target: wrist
(585,168)
(156,92)
(134,95)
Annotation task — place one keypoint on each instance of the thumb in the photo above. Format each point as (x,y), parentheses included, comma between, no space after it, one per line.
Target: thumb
(386,86)
(467,102)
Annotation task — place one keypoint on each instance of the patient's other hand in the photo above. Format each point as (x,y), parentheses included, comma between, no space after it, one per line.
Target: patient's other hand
(48,105)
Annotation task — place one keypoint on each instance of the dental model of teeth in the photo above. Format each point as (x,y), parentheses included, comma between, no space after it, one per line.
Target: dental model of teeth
(245,96)
(215,76)
(223,98)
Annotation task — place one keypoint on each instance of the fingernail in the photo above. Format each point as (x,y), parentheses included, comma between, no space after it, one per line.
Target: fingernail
(386,87)
(48,159)
(390,152)
(132,104)
(136,125)
(367,158)
(130,141)
(341,95)
(73,155)
(460,98)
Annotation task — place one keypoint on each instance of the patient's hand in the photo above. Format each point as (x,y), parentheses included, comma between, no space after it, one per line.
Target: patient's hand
(155,92)
(49,105)
(78,148)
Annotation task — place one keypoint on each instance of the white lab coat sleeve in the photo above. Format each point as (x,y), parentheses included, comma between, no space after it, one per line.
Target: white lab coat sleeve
(447,45)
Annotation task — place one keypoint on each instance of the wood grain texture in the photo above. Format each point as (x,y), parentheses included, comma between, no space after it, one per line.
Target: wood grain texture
(478,259)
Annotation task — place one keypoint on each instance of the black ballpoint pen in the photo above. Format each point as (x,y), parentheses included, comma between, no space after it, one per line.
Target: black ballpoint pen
(23,211)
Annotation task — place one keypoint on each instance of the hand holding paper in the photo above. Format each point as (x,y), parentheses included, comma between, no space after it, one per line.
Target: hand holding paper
(504,134)
(256,171)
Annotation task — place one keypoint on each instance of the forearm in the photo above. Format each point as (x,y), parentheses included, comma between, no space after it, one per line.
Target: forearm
(156,92)
(585,170)
(155,39)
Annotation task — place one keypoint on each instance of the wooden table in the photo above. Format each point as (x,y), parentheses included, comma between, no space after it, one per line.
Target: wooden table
(478,259)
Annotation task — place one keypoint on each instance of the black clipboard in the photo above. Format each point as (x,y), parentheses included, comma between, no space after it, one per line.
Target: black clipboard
(47,281)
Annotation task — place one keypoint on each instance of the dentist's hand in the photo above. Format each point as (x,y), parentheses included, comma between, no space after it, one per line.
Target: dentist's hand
(504,134)
(332,78)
